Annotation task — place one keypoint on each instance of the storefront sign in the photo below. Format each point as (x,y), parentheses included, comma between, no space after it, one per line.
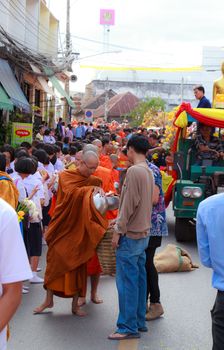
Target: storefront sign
(21,132)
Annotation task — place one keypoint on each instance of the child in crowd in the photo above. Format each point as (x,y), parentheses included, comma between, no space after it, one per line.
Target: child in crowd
(32,183)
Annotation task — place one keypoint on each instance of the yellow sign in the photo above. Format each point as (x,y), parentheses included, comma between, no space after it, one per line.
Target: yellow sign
(21,132)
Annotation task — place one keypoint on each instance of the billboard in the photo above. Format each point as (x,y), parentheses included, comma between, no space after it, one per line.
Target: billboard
(21,132)
(107,17)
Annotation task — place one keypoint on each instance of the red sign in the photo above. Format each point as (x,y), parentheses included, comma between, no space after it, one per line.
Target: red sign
(22,133)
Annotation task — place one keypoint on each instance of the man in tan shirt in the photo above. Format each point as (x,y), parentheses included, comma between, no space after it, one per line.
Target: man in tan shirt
(131,239)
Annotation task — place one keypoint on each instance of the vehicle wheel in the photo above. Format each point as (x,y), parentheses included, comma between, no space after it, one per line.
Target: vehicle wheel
(185,231)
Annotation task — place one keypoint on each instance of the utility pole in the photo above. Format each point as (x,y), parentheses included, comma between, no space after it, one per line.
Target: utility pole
(68,51)
(106,100)
(182,89)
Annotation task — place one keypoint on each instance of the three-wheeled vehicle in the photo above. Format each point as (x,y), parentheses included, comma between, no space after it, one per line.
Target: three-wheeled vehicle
(195,182)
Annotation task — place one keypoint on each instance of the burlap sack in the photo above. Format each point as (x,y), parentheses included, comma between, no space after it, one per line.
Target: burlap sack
(174,259)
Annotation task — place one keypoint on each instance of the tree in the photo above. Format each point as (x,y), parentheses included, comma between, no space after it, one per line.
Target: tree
(148,107)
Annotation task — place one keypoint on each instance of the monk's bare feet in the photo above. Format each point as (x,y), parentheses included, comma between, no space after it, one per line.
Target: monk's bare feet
(76,309)
(79,312)
(96,300)
(81,301)
(44,306)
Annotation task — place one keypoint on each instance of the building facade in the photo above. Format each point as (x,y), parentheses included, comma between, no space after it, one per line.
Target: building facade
(31,25)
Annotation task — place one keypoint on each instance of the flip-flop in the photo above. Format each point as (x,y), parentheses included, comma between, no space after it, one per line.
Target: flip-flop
(126,336)
(143,329)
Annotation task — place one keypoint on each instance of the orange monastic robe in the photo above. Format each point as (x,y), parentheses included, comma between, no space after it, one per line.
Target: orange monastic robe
(8,190)
(105,161)
(74,232)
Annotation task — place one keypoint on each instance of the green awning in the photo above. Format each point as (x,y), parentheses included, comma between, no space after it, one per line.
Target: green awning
(58,86)
(5,102)
(12,87)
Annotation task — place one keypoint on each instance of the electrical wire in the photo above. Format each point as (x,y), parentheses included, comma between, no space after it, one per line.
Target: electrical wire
(101,43)
(20,54)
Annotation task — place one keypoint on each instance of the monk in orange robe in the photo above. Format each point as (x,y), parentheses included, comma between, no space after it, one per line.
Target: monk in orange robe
(93,265)
(73,234)
(103,156)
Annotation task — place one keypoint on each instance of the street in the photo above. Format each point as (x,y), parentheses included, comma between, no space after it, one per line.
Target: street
(186,297)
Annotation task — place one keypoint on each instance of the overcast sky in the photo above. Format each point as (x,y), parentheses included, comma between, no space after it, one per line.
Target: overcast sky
(159,32)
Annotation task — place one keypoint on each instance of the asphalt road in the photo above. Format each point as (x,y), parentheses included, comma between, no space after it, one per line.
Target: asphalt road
(187,299)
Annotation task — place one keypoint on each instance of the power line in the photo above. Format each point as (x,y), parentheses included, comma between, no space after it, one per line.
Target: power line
(100,42)
(21,55)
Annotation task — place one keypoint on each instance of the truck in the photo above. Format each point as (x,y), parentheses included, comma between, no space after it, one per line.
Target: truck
(194,182)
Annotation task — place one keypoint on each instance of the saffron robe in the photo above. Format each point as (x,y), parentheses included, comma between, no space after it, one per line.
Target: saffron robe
(74,232)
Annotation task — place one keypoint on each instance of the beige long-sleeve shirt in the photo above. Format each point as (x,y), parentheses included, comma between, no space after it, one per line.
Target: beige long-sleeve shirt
(135,210)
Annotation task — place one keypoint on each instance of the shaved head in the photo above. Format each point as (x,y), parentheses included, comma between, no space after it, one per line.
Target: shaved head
(88,163)
(114,157)
(89,156)
(97,143)
(91,148)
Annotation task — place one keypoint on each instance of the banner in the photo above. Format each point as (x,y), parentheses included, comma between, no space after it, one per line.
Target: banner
(21,132)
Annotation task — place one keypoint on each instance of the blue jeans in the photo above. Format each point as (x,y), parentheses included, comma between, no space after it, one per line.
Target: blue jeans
(131,284)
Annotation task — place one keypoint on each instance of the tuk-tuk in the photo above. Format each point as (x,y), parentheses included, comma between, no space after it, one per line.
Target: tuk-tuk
(194,182)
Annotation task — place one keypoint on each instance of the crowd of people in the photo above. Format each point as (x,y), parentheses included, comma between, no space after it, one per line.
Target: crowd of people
(43,172)
(60,173)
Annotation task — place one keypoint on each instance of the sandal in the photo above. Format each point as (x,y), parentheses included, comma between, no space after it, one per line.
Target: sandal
(120,336)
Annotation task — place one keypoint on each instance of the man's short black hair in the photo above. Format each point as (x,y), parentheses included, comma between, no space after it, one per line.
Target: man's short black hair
(26,145)
(47,132)
(10,150)
(72,151)
(25,165)
(49,149)
(65,151)
(21,152)
(139,143)
(57,148)
(200,88)
(2,162)
(42,156)
(40,145)
(153,136)
(59,144)
(105,141)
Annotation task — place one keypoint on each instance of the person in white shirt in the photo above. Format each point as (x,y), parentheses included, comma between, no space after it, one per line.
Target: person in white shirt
(48,137)
(14,267)
(31,183)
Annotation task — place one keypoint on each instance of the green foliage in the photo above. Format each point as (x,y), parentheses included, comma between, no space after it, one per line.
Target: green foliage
(153,105)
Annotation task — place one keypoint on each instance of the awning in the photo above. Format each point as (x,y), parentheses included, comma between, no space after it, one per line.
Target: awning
(58,86)
(11,86)
(5,102)
(42,81)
